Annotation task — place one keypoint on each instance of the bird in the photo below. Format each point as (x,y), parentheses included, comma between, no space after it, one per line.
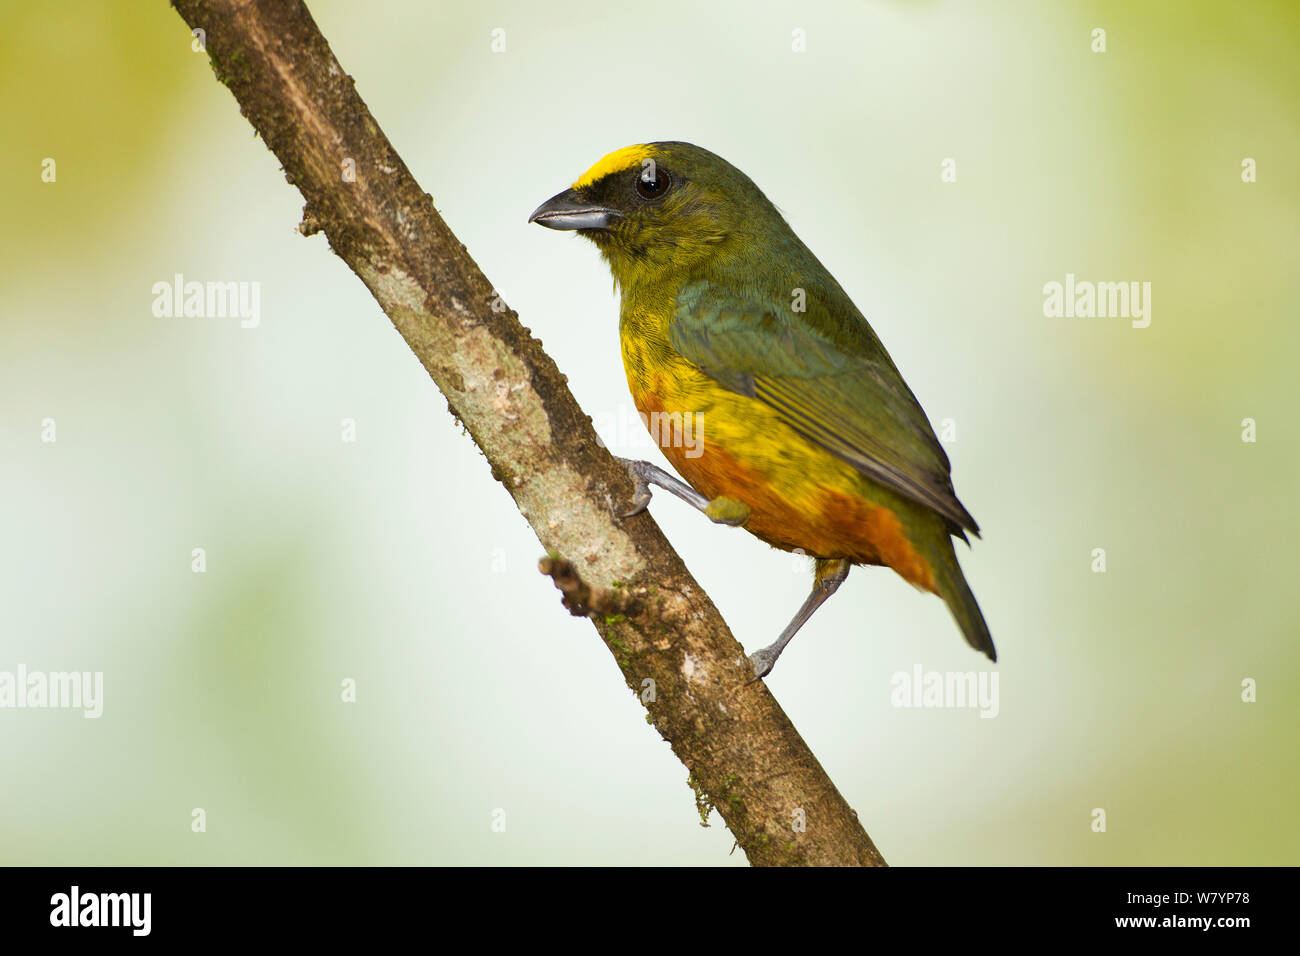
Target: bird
(776,402)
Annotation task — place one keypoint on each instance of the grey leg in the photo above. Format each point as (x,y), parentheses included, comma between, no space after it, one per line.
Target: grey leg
(830,574)
(644,474)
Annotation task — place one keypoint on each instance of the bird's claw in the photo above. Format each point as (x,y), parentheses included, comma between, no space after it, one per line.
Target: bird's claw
(763,661)
(640,501)
(722,510)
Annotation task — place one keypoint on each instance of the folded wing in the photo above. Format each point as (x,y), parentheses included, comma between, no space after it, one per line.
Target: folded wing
(828,377)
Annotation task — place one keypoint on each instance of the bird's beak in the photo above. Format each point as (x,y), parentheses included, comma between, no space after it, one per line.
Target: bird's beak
(568,211)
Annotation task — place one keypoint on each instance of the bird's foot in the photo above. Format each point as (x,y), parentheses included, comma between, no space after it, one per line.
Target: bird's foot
(763,660)
(830,574)
(722,509)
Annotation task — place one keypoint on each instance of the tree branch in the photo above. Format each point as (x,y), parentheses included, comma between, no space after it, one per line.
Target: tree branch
(744,757)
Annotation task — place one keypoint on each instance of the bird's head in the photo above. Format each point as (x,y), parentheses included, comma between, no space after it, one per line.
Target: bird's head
(658,208)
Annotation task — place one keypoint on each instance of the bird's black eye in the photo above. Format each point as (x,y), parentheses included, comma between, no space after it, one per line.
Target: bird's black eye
(652,181)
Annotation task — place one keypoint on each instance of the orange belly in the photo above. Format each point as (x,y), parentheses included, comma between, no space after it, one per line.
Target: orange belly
(797,513)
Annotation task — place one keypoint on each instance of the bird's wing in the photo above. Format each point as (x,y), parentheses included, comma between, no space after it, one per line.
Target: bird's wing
(827,376)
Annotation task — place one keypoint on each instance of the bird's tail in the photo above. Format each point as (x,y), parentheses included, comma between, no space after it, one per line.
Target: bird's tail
(957,593)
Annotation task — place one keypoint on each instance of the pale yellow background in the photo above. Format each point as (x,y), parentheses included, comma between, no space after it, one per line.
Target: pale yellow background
(398,562)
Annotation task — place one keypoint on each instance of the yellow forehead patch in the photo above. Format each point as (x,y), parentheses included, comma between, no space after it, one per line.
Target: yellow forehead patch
(620,159)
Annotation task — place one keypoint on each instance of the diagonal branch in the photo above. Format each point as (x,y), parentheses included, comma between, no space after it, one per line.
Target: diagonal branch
(744,757)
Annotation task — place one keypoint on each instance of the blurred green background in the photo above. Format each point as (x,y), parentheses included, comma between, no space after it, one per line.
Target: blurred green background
(397,562)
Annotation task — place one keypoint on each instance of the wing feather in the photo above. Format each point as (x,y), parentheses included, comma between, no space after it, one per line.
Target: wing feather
(828,377)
